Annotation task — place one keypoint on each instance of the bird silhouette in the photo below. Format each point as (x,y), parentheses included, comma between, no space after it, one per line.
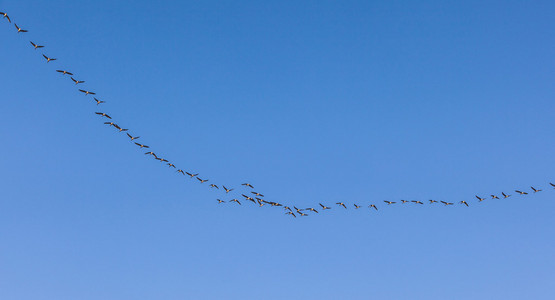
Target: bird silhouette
(494,197)
(389,202)
(77,81)
(432,201)
(417,202)
(36,46)
(98,101)
(447,203)
(19,30)
(48,59)
(290,213)
(464,202)
(141,145)
(191,175)
(226,189)
(64,72)
(480,199)
(235,200)
(202,180)
(356,206)
(521,193)
(214,186)
(132,137)
(373,206)
(248,185)
(170,165)
(341,204)
(551,184)
(324,207)
(103,115)
(220,201)
(535,190)
(87,93)
(5,15)
(505,195)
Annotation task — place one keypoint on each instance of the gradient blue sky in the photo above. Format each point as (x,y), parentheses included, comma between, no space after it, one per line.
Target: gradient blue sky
(311,101)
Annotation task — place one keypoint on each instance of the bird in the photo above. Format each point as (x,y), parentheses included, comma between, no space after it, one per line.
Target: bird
(64,72)
(235,200)
(287,208)
(111,124)
(521,193)
(103,115)
(202,180)
(535,190)
(373,206)
(170,165)
(220,201)
(553,185)
(248,184)
(417,202)
(214,186)
(226,189)
(248,198)
(404,201)
(121,129)
(5,15)
(141,145)
(161,159)
(87,93)
(48,59)
(290,213)
(297,209)
(341,204)
(77,81)
(257,194)
(151,153)
(312,209)
(389,202)
(132,137)
(19,29)
(180,171)
(356,206)
(494,197)
(447,203)
(324,207)
(302,214)
(191,175)
(480,199)
(432,201)
(464,202)
(36,46)
(505,195)
(98,101)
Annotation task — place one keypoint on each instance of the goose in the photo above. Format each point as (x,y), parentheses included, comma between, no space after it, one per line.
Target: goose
(553,185)
(141,145)
(98,101)
(132,137)
(494,197)
(521,193)
(535,190)
(404,201)
(180,171)
(505,195)
(151,153)
(214,186)
(447,203)
(341,204)
(324,207)
(248,185)
(311,209)
(235,200)
(302,214)
(389,202)
(18,29)
(36,46)
(170,165)
(103,115)
(432,201)
(191,175)
(480,199)
(226,189)
(290,213)
(48,59)
(77,81)
(202,180)
(5,15)
(64,72)
(257,194)
(464,202)
(356,206)
(220,201)
(87,93)
(417,202)
(373,206)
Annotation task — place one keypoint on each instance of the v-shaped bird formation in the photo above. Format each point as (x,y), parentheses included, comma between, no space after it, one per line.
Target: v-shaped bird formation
(249,194)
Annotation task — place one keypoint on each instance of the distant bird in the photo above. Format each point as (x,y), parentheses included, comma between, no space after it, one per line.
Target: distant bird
(535,190)
(447,203)
(341,204)
(98,101)
(404,201)
(103,115)
(248,184)
(180,171)
(417,202)
(553,185)
(36,46)
(48,59)
(290,213)
(373,206)
(324,207)
(505,195)
(19,29)
(235,200)
(202,180)
(214,186)
(480,199)
(287,208)
(141,145)
(170,165)
(87,93)
(220,201)
(77,81)
(248,198)
(464,202)
(521,193)
(64,72)
(191,175)
(132,137)
(5,15)
(432,201)
(257,194)
(312,209)
(122,129)
(111,124)
(151,153)
(302,214)
(226,189)
(389,202)
(356,206)
(161,159)
(494,197)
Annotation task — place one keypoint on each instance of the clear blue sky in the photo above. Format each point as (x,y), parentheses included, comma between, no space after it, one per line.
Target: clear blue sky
(310,101)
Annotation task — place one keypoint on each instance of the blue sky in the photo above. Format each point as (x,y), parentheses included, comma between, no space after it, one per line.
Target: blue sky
(318,101)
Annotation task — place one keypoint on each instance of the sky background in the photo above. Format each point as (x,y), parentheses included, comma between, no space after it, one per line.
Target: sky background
(310,101)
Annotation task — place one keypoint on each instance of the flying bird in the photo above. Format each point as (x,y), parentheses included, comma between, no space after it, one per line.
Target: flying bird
(494,197)
(170,165)
(19,29)
(202,180)
(417,202)
(214,186)
(88,93)
(180,171)
(248,184)
(111,124)
(36,46)
(302,214)
(132,137)
(373,206)
(64,72)
(389,202)
(235,200)
(98,101)
(553,185)
(103,115)
(324,207)
(226,189)
(505,195)
(161,159)
(151,153)
(535,190)
(311,209)
(257,194)
(77,81)
(290,213)
(5,15)
(191,175)
(464,202)
(48,59)
(404,201)
(521,193)
(447,203)
(341,204)
(480,199)
(220,201)
(432,201)
(141,145)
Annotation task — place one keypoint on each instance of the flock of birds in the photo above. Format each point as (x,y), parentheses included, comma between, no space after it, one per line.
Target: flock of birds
(248,194)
